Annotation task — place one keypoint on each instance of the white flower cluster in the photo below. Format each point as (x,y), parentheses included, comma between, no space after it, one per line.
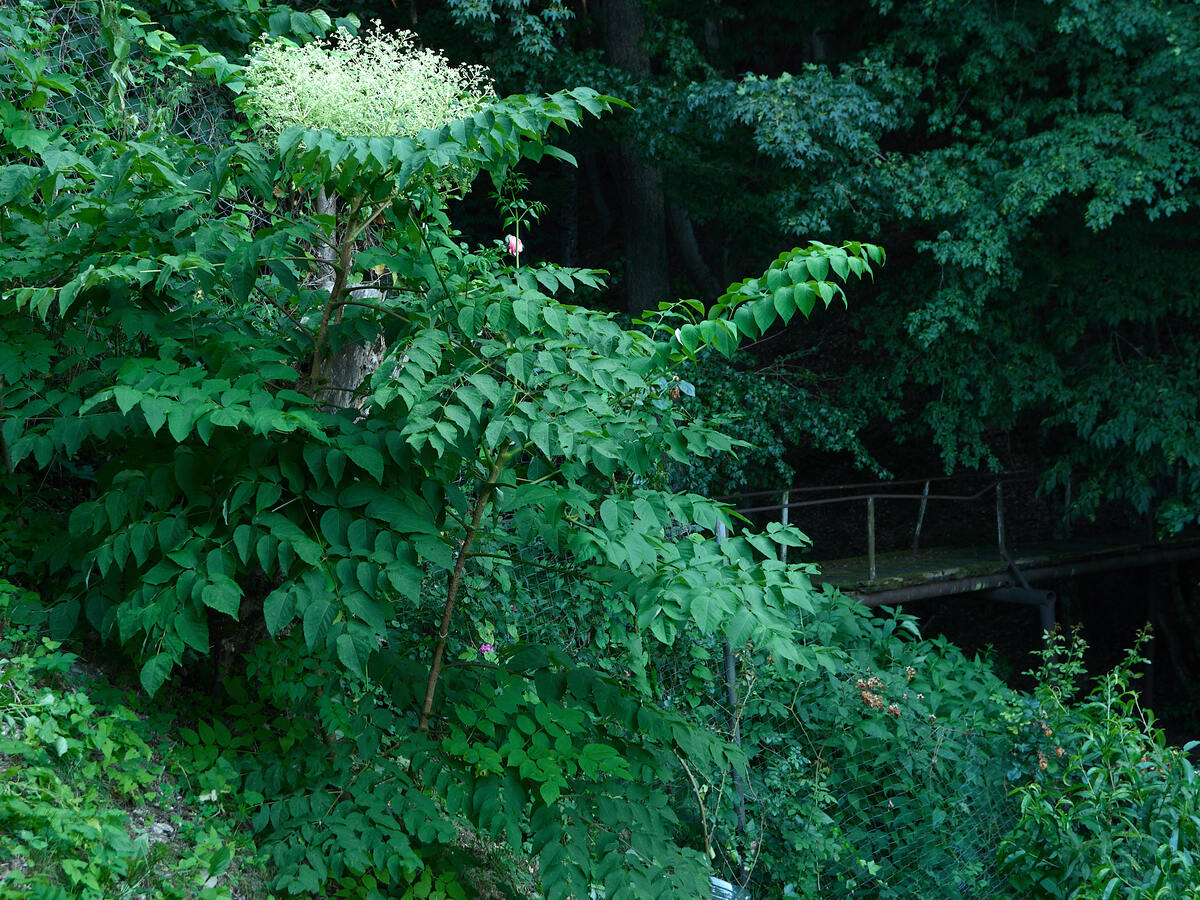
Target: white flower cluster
(377,85)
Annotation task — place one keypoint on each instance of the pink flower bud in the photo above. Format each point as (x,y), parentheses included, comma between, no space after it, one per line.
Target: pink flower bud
(513,245)
(486,648)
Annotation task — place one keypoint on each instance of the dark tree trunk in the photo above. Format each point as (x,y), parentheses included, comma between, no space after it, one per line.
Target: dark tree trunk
(689,250)
(642,201)
(570,229)
(595,182)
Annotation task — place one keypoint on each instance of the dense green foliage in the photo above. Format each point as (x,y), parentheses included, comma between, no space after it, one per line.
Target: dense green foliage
(173,358)
(91,803)
(1112,810)
(392,517)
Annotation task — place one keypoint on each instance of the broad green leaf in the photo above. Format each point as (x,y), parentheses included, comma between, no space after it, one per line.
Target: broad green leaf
(764,313)
(127,398)
(279,608)
(222,594)
(351,655)
(155,671)
(193,629)
(368,458)
(317,618)
(180,419)
(243,537)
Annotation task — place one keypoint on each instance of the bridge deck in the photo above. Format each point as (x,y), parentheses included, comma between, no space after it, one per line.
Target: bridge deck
(903,576)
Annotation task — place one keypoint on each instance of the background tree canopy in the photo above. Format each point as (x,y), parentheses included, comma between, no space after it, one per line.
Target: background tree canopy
(1029,166)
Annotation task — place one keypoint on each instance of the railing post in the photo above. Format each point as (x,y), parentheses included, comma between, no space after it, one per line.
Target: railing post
(920,518)
(1000,516)
(871,538)
(783,520)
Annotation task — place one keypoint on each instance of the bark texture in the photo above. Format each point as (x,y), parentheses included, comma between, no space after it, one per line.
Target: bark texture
(345,371)
(641,183)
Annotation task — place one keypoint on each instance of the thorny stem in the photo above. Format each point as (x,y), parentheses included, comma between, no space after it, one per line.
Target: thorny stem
(481,504)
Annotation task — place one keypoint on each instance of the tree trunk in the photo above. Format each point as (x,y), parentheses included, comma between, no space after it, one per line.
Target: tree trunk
(570,229)
(353,363)
(349,368)
(689,249)
(326,205)
(595,182)
(642,201)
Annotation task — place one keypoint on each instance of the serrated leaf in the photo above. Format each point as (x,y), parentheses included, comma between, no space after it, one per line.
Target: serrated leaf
(222,594)
(155,671)
(317,618)
(279,608)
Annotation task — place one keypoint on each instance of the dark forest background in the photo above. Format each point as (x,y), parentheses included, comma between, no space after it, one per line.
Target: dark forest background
(1030,169)
(1028,166)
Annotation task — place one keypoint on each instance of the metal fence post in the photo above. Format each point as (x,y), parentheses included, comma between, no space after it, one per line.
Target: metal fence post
(920,518)
(731,699)
(871,538)
(1000,516)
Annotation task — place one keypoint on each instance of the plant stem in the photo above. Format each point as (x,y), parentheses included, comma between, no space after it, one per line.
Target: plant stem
(709,854)
(377,308)
(435,668)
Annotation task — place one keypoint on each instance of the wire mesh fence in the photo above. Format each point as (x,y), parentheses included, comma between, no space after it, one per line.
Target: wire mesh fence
(119,83)
(863,796)
(854,784)
(927,821)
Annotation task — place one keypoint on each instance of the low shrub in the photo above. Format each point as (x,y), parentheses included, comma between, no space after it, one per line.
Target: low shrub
(1108,809)
(90,809)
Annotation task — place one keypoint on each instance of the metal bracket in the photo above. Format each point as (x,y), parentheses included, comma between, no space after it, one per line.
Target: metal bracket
(1045,601)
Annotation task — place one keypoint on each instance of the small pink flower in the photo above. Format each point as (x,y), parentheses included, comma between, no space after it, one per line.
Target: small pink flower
(486,648)
(513,245)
